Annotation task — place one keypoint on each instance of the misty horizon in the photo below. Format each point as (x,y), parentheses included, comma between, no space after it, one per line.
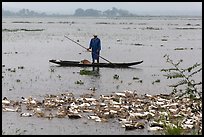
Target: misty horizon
(138,8)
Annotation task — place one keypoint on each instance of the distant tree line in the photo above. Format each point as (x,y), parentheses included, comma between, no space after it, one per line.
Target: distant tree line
(27,13)
(114,12)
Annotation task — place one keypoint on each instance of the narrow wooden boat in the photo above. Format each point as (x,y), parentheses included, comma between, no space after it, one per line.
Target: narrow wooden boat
(80,64)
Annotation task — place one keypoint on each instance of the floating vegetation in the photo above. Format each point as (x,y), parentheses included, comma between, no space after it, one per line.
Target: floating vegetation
(123,23)
(170,24)
(174,130)
(135,78)
(104,23)
(127,28)
(10,52)
(130,110)
(15,30)
(151,28)
(142,23)
(188,28)
(138,79)
(156,81)
(116,76)
(60,22)
(180,49)
(155,74)
(16,132)
(11,70)
(86,72)
(137,44)
(118,40)
(79,82)
(59,76)
(20,67)
(52,70)
(93,89)
(66,22)
(18,80)
(163,39)
(21,22)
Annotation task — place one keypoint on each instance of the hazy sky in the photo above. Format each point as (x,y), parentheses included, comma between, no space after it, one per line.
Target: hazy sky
(188,8)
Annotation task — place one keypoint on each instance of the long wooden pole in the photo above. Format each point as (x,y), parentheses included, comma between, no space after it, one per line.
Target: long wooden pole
(86,48)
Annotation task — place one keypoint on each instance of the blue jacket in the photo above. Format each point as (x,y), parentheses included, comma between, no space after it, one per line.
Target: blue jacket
(95,45)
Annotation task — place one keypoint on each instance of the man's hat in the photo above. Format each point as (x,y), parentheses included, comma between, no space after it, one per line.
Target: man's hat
(94,34)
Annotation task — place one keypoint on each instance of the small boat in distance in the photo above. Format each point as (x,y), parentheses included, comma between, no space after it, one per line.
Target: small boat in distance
(81,64)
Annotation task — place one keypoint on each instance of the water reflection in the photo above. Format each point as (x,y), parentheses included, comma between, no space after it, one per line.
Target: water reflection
(94,82)
(96,70)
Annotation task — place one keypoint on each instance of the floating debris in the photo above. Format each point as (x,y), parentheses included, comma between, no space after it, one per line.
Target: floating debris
(26,115)
(79,82)
(21,67)
(116,76)
(131,110)
(104,23)
(5,101)
(138,44)
(87,72)
(18,80)
(156,81)
(163,39)
(135,78)
(180,49)
(188,28)
(21,22)
(151,28)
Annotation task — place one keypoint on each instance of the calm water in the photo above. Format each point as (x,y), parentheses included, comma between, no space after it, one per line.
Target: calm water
(123,40)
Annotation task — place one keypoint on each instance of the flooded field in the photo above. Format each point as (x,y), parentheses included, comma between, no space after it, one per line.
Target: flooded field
(29,43)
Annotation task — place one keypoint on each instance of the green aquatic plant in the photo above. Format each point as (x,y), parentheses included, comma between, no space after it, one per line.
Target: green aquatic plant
(173,130)
(88,72)
(185,75)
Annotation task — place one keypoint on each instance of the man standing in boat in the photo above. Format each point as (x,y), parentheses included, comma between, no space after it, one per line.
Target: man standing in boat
(95,46)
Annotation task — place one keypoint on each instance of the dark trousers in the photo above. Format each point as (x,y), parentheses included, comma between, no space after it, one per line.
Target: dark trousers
(95,56)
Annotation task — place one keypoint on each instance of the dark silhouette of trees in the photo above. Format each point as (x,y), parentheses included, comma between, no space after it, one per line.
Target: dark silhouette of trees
(109,13)
(114,12)
(87,12)
(79,12)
